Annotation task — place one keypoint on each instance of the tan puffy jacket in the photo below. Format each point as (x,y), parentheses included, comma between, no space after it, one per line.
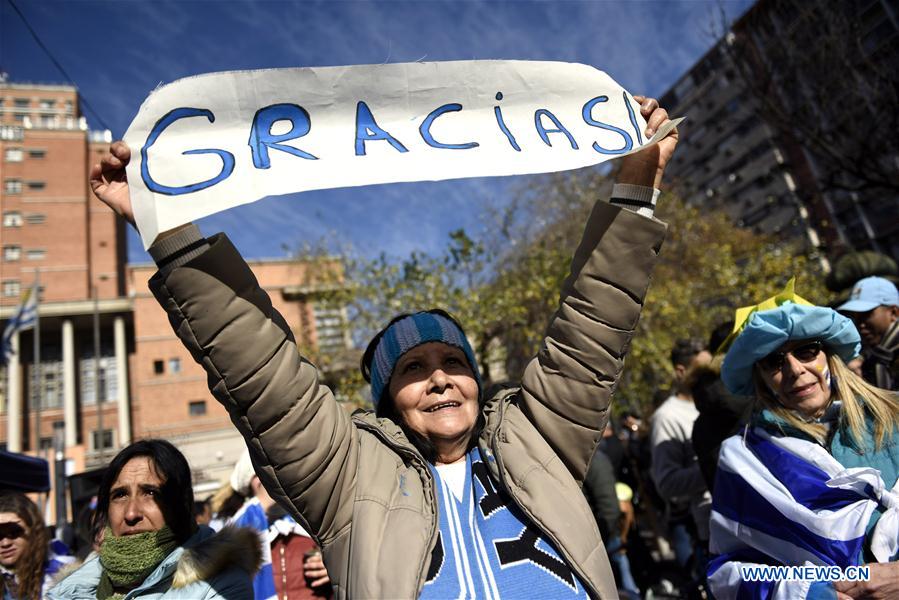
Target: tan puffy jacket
(356,482)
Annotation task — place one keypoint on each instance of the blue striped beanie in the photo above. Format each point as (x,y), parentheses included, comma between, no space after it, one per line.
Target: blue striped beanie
(409,332)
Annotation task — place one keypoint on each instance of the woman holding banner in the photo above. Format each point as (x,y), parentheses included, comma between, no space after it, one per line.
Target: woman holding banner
(812,481)
(442,491)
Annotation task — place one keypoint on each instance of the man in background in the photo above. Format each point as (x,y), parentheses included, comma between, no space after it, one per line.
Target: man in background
(675,470)
(874,308)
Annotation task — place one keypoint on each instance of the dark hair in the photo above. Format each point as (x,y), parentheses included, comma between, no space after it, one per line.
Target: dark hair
(719,334)
(387,409)
(176,496)
(30,566)
(231,505)
(685,349)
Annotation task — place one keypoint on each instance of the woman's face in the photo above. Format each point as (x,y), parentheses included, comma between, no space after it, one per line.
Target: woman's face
(436,395)
(798,375)
(13,539)
(134,498)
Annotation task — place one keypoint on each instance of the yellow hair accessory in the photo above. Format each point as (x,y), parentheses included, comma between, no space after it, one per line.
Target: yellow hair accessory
(742,315)
(624,492)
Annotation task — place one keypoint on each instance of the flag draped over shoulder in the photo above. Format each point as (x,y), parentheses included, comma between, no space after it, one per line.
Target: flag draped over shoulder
(23,319)
(783,501)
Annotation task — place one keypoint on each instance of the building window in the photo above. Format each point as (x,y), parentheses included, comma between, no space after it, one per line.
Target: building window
(108,376)
(48,121)
(37,153)
(11,288)
(35,218)
(68,106)
(14,155)
(36,254)
(174,365)
(4,377)
(22,103)
(12,218)
(13,186)
(59,428)
(37,185)
(106,440)
(197,408)
(51,377)
(47,103)
(329,327)
(11,253)
(158,367)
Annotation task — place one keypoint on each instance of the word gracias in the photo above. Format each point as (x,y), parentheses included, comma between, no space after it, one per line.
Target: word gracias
(367,130)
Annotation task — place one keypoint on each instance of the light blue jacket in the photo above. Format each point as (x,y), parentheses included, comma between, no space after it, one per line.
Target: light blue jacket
(208,565)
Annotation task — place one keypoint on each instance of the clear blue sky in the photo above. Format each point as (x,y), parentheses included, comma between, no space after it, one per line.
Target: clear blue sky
(117,52)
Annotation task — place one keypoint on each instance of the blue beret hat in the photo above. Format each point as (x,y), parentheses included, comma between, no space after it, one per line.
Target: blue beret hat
(409,332)
(768,330)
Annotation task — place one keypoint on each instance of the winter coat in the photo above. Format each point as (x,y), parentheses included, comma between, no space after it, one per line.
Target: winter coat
(721,415)
(357,483)
(881,363)
(599,488)
(208,565)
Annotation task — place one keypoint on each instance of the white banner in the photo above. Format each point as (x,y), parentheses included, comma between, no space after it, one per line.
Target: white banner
(207,143)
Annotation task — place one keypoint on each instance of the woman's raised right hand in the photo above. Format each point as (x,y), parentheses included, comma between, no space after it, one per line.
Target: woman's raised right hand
(110,182)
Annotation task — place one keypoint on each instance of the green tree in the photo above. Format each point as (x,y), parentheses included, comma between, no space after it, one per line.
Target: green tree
(504,287)
(707,268)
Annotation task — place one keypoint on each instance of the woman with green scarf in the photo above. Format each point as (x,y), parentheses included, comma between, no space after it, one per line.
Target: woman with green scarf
(150,545)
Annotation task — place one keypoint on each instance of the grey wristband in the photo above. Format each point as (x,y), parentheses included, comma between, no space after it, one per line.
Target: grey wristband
(178,249)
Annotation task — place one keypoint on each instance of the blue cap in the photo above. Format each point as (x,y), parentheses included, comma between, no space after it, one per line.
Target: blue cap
(408,333)
(768,330)
(869,293)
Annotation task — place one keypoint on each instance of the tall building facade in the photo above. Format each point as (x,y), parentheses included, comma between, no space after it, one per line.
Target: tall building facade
(56,232)
(771,138)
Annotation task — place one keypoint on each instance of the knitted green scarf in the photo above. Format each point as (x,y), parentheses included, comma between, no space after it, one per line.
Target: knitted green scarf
(127,560)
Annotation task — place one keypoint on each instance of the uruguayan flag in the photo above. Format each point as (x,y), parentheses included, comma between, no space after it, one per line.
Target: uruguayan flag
(22,319)
(252,515)
(58,556)
(786,501)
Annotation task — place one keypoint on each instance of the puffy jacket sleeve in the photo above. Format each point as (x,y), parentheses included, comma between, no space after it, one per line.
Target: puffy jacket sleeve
(567,387)
(301,441)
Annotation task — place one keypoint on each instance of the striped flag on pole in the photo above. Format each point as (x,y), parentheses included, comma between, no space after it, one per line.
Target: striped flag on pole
(23,319)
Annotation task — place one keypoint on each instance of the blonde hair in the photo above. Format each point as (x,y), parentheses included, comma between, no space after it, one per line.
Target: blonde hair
(857,396)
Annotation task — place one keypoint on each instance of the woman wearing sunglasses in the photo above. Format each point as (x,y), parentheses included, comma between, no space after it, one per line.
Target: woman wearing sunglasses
(28,559)
(810,483)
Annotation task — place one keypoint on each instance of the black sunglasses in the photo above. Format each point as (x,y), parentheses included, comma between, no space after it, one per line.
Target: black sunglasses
(11,530)
(805,353)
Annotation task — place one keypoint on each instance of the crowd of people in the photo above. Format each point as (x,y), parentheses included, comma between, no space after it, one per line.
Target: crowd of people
(773,446)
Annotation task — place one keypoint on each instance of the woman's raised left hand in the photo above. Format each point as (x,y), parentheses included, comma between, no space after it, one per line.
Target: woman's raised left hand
(647,166)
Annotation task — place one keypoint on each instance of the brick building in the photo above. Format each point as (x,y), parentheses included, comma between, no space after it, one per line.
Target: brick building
(55,229)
